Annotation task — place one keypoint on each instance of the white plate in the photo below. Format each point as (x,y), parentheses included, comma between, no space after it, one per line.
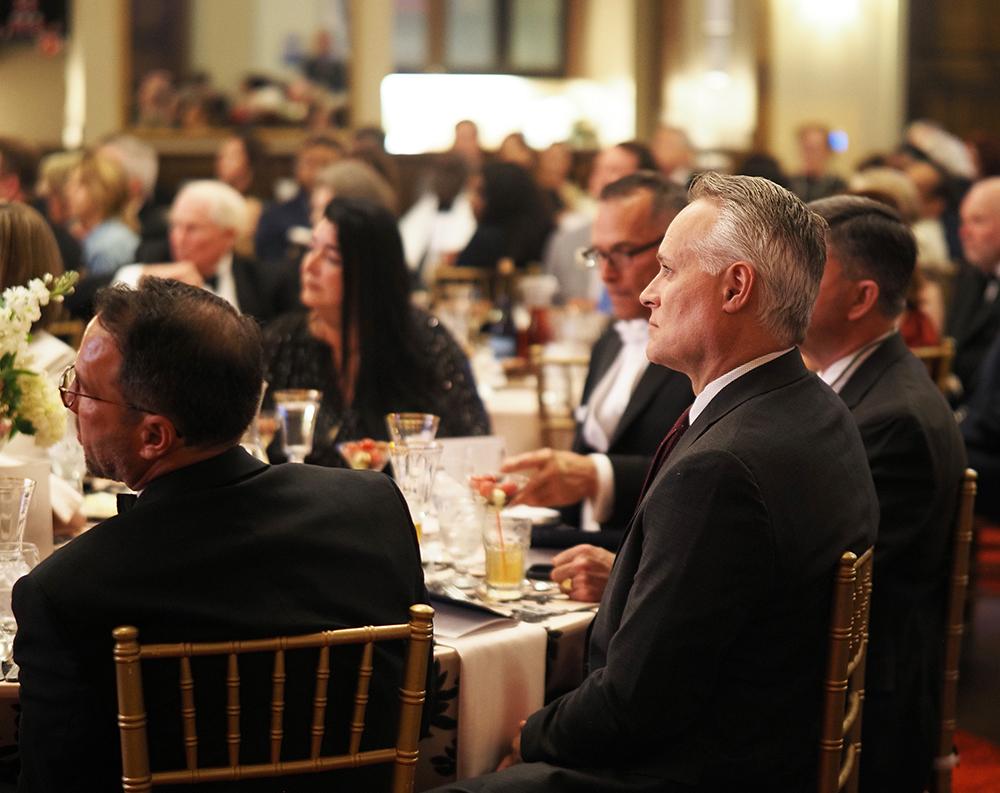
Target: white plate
(539,516)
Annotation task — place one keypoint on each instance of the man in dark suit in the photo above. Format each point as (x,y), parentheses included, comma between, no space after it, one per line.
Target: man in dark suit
(205,222)
(628,404)
(217,546)
(916,457)
(708,652)
(974,314)
(980,427)
(272,239)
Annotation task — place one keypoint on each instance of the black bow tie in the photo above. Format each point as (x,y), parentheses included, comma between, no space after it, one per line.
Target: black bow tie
(211,281)
(125,502)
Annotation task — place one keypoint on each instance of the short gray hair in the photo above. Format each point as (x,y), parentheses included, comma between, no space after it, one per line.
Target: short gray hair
(227,208)
(769,227)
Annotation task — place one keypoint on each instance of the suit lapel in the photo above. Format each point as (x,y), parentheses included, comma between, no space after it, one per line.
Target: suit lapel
(772,375)
(870,372)
(604,353)
(246,293)
(652,380)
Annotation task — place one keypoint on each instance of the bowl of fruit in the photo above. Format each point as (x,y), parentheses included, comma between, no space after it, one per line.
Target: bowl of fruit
(497,490)
(365,455)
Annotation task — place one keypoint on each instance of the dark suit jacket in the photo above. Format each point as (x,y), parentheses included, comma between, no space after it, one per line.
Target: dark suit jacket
(263,290)
(916,457)
(270,241)
(708,651)
(981,430)
(972,323)
(660,396)
(226,548)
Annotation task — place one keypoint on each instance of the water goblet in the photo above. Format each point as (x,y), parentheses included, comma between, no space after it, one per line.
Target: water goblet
(404,427)
(15,498)
(460,521)
(414,465)
(296,409)
(16,560)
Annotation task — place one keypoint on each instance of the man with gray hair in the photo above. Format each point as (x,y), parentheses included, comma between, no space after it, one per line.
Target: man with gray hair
(708,651)
(205,221)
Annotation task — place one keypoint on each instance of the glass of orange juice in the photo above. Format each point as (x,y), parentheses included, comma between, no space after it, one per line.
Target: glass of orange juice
(506,541)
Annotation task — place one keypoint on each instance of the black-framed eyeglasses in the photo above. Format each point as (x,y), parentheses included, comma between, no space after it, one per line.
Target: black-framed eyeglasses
(618,259)
(67,381)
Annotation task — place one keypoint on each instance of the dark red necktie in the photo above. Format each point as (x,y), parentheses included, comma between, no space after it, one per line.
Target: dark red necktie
(663,450)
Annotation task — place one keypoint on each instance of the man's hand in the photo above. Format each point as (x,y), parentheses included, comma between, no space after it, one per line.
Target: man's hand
(515,750)
(559,478)
(185,272)
(586,567)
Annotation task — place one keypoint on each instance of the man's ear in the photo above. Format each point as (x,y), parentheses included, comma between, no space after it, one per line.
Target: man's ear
(157,436)
(738,281)
(865,298)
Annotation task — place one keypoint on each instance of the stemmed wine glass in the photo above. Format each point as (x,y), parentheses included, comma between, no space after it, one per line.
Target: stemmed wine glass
(296,409)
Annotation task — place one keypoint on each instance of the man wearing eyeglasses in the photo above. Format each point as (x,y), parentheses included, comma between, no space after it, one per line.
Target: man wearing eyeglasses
(218,546)
(628,403)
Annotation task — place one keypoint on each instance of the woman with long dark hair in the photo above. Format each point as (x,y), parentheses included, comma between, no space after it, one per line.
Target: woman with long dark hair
(360,341)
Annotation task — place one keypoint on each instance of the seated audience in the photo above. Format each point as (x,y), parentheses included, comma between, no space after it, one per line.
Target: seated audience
(974,314)
(916,458)
(205,222)
(350,178)
(98,198)
(561,253)
(674,154)
(513,218)
(141,164)
(555,176)
(814,180)
(980,426)
(279,220)
(514,148)
(441,221)
(708,652)
(628,403)
(361,343)
(18,178)
(236,162)
(466,144)
(217,546)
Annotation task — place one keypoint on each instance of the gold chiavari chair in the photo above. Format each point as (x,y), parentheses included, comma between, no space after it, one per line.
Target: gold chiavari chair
(447,277)
(559,380)
(946,758)
(128,653)
(938,358)
(844,685)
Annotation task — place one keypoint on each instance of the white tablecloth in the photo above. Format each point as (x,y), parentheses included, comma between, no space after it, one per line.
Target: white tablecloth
(514,414)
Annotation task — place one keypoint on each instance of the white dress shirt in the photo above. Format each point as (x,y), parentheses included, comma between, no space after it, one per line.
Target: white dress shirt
(709,392)
(225,286)
(604,410)
(838,373)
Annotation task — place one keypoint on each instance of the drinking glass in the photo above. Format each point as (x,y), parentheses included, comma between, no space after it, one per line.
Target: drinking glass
(405,427)
(460,521)
(506,541)
(414,465)
(16,560)
(296,409)
(15,498)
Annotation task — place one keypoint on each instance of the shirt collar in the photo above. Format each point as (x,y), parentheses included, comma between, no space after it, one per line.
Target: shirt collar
(712,389)
(840,371)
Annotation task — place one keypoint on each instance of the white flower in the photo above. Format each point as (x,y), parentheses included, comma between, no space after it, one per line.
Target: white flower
(42,406)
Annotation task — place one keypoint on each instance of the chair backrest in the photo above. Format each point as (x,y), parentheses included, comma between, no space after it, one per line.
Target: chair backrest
(559,380)
(945,758)
(68,330)
(938,358)
(844,686)
(128,653)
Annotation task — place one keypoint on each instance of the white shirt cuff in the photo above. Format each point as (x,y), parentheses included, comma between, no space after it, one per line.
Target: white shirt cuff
(129,275)
(603,502)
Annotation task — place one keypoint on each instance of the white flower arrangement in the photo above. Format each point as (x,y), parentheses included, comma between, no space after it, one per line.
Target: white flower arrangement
(29,402)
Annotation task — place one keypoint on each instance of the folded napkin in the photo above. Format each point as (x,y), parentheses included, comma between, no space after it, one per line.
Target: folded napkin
(501,682)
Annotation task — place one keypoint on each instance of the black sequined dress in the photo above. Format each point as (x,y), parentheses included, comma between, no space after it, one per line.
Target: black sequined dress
(294,358)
